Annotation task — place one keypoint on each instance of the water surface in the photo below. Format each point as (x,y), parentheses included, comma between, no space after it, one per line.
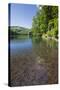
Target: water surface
(33,61)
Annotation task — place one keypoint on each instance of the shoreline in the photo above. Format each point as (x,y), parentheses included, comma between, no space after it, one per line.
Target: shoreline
(51,38)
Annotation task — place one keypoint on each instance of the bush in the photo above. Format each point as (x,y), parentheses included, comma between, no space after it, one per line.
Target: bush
(53,28)
(49,33)
(51,24)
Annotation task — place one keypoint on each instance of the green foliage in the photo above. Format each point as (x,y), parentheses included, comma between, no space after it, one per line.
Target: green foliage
(50,25)
(46,21)
(53,28)
(55,11)
(43,28)
(49,33)
(53,33)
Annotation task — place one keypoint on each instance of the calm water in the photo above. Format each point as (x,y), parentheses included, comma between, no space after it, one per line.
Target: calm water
(33,61)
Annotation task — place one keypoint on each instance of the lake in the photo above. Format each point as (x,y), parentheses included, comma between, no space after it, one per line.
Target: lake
(33,61)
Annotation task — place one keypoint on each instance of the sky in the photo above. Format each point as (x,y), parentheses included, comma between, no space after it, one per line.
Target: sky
(22,14)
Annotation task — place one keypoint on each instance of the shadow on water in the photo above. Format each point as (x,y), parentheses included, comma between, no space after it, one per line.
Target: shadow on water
(33,61)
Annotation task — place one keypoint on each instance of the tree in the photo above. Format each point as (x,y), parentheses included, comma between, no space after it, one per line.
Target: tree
(45,20)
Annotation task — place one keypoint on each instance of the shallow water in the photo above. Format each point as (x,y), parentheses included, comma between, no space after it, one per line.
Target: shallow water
(33,61)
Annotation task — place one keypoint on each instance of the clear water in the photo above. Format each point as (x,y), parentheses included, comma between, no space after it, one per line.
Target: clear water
(33,61)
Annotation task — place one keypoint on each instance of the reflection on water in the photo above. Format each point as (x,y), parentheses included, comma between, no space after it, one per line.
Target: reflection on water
(33,61)
(18,46)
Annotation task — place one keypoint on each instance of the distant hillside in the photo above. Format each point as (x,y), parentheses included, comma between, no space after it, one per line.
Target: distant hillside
(15,30)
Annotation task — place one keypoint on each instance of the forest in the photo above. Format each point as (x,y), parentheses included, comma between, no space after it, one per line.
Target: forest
(45,22)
